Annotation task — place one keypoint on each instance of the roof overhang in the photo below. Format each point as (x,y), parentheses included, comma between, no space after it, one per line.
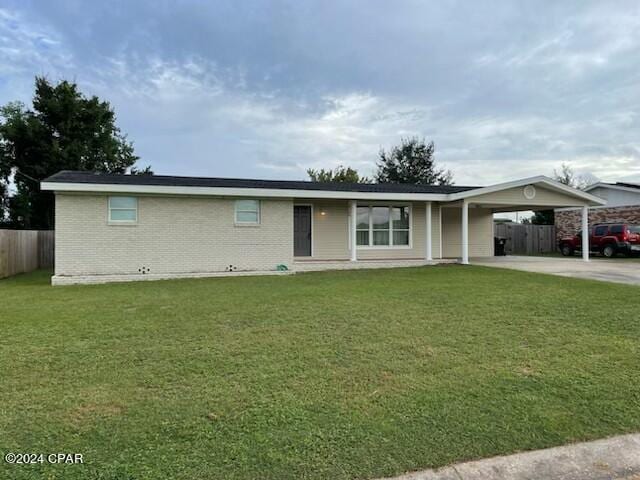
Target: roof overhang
(238,192)
(71,187)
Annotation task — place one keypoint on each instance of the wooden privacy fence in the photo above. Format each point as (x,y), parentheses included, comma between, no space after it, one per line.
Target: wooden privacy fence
(25,250)
(525,239)
(46,247)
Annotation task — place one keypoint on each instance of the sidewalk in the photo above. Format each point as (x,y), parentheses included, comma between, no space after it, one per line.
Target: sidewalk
(611,458)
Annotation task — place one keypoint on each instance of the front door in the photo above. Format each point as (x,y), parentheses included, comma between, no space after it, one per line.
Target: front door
(301,231)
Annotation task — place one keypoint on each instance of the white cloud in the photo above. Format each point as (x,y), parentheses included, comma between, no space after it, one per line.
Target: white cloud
(517,104)
(585,41)
(24,45)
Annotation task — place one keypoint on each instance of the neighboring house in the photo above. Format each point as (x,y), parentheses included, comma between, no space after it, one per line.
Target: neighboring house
(127,227)
(622,205)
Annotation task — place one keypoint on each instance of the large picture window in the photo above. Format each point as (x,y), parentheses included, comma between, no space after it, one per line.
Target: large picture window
(383,226)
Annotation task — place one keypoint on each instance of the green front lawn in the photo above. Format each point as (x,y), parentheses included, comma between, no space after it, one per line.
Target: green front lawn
(330,375)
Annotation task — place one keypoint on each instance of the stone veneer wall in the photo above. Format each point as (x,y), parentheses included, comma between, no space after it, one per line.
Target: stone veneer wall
(568,222)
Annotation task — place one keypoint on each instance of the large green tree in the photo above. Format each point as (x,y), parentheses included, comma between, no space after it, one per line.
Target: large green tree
(339,174)
(63,131)
(411,162)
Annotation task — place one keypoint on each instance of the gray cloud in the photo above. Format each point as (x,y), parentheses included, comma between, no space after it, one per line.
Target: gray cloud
(268,89)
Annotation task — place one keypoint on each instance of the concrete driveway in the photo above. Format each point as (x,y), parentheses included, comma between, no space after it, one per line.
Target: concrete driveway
(618,271)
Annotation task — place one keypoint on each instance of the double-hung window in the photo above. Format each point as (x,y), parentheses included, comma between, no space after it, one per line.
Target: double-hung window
(123,210)
(247,212)
(383,226)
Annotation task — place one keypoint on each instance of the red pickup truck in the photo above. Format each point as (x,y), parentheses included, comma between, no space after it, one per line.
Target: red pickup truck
(605,238)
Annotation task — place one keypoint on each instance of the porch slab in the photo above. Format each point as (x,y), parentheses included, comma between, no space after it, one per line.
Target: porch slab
(321,265)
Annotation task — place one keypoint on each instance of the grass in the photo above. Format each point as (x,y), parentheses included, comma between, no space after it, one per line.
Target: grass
(330,375)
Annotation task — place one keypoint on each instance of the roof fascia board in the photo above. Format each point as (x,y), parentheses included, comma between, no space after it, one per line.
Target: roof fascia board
(239,192)
(596,185)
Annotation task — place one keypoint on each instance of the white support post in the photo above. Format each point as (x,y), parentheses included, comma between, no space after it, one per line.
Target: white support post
(465,232)
(353,205)
(428,254)
(585,233)
(440,255)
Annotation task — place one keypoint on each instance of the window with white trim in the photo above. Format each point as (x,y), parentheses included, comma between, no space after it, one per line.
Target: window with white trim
(383,226)
(123,209)
(248,212)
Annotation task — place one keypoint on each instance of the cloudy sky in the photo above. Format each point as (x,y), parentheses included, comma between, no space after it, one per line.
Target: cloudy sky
(268,89)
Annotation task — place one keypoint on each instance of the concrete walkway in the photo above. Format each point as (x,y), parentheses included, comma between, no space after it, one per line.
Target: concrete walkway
(611,458)
(618,271)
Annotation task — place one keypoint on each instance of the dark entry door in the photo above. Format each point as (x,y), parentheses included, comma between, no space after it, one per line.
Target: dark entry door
(301,231)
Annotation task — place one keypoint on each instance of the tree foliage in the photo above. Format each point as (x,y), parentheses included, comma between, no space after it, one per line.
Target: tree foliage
(567,176)
(4,204)
(542,217)
(339,174)
(64,131)
(411,162)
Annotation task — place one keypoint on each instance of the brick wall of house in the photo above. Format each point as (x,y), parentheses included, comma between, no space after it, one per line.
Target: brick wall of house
(172,235)
(568,222)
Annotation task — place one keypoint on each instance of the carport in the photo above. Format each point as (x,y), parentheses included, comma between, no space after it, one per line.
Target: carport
(535,193)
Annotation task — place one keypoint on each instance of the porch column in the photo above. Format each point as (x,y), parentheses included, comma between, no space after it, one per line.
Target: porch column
(353,206)
(465,232)
(440,255)
(585,233)
(428,256)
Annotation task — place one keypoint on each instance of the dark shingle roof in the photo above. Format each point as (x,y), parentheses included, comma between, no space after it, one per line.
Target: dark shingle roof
(628,185)
(68,176)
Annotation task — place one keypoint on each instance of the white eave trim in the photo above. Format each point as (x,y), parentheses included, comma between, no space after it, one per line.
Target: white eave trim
(541,179)
(238,192)
(328,194)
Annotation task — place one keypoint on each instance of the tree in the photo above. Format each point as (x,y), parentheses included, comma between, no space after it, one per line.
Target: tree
(566,176)
(64,131)
(411,162)
(141,171)
(339,174)
(4,204)
(542,217)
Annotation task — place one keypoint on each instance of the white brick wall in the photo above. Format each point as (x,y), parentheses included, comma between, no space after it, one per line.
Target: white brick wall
(173,235)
